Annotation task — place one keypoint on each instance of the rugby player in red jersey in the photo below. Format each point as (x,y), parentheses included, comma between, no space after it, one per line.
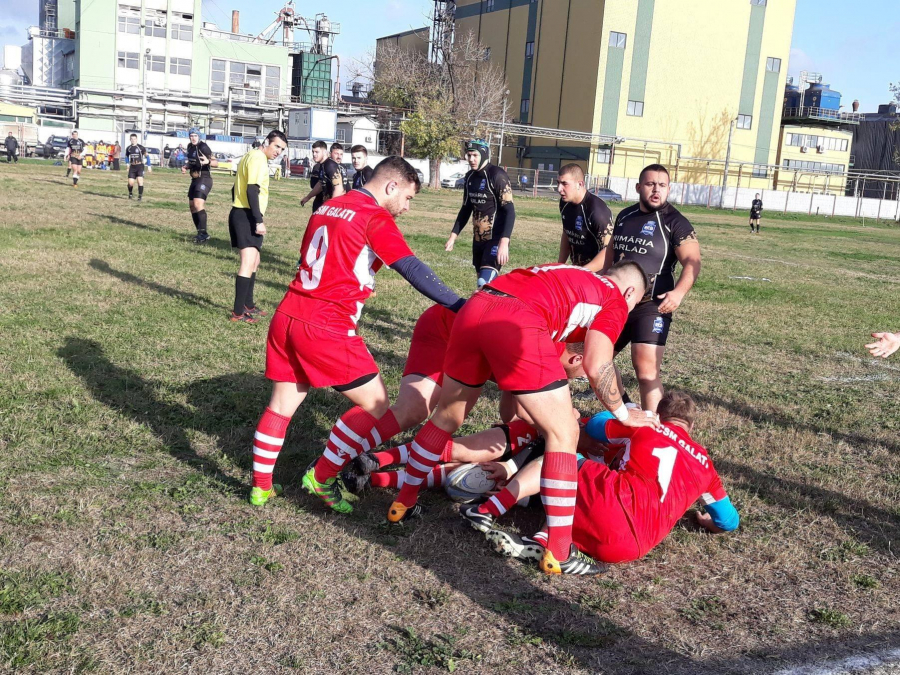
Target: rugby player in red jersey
(625,509)
(312,337)
(509,329)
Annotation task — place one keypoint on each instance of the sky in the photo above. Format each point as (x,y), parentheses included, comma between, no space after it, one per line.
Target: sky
(853,46)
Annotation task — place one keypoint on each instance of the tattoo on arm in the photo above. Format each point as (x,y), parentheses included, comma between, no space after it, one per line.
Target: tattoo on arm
(607,388)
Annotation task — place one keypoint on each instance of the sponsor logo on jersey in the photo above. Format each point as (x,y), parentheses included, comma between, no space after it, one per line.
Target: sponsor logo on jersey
(649,228)
(658,325)
(494,250)
(483,184)
(579,223)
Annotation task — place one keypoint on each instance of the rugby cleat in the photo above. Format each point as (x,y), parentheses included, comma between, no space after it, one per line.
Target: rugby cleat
(514,546)
(245,318)
(576,564)
(329,491)
(399,514)
(259,497)
(130,196)
(201,238)
(483,522)
(364,464)
(254,311)
(355,483)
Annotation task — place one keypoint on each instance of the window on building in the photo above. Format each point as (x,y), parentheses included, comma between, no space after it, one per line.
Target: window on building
(130,24)
(773,65)
(617,39)
(758,2)
(179,66)
(760,172)
(217,77)
(490,5)
(182,32)
(156,64)
(603,155)
(635,108)
(128,60)
(273,82)
(340,136)
(152,29)
(529,50)
(487,54)
(804,165)
(745,121)
(244,130)
(523,109)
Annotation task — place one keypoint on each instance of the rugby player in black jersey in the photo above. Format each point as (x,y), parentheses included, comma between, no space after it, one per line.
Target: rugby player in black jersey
(358,157)
(199,159)
(74,148)
(755,212)
(487,198)
(586,221)
(655,235)
(135,155)
(328,176)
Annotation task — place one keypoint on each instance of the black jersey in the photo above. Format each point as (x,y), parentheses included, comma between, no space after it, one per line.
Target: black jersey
(756,207)
(650,239)
(329,174)
(313,175)
(588,227)
(76,147)
(362,177)
(193,156)
(344,180)
(135,154)
(484,193)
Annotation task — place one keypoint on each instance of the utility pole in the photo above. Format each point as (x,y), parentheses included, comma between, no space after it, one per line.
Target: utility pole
(144,96)
(727,160)
(502,128)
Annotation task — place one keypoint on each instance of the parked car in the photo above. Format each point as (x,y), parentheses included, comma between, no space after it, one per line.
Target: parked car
(153,154)
(299,167)
(606,194)
(55,146)
(421,176)
(457,180)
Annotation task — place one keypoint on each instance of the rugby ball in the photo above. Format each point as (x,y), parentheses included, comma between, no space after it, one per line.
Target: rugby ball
(468,483)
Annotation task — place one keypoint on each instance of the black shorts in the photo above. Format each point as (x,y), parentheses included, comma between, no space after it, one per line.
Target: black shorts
(484,254)
(754,215)
(135,170)
(75,161)
(645,325)
(243,230)
(200,187)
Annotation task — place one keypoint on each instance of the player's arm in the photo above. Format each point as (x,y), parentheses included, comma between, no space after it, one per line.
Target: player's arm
(312,194)
(598,366)
(505,218)
(256,173)
(601,223)
(462,219)
(334,175)
(885,344)
(720,516)
(687,250)
(421,277)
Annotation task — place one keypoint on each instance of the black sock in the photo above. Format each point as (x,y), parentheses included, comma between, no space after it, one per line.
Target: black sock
(241,284)
(74,180)
(130,189)
(248,301)
(68,171)
(140,190)
(196,218)
(201,221)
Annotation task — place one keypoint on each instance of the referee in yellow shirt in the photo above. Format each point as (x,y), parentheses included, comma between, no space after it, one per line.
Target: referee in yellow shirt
(250,196)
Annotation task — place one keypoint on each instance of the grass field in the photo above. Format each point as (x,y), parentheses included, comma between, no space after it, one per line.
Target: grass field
(128,402)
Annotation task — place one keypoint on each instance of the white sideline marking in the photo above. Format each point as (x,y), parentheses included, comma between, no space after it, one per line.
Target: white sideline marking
(864,378)
(752,278)
(859,663)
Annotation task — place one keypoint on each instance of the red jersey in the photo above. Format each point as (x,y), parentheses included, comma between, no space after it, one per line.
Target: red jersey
(571,299)
(346,242)
(661,474)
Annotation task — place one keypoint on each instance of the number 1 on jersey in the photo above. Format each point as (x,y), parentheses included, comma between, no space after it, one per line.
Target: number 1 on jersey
(666,457)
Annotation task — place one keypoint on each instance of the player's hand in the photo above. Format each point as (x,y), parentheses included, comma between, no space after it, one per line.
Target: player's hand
(670,301)
(642,418)
(705,521)
(449,245)
(260,228)
(497,471)
(303,201)
(204,160)
(887,344)
(503,252)
(184,169)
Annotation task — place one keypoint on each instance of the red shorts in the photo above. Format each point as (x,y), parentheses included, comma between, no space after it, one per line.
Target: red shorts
(504,336)
(429,344)
(300,352)
(602,527)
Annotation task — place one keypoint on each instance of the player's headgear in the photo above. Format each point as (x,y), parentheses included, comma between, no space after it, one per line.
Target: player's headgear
(482,148)
(194,130)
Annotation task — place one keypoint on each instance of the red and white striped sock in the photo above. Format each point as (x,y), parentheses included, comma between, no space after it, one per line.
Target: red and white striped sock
(267,442)
(346,441)
(559,485)
(499,504)
(437,477)
(398,455)
(540,537)
(425,451)
(520,434)
(396,479)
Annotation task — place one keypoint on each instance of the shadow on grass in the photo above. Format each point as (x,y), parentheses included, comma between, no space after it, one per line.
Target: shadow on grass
(115,220)
(184,296)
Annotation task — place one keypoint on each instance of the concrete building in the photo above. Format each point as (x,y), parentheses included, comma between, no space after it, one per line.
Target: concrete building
(678,77)
(357,130)
(416,41)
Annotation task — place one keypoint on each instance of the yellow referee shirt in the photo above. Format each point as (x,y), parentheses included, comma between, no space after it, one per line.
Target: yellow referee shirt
(253,169)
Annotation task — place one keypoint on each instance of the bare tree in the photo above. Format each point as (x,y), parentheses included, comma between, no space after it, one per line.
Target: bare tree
(445,100)
(895,90)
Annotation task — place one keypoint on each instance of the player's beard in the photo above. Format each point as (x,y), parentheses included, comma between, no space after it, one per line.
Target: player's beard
(647,206)
(394,205)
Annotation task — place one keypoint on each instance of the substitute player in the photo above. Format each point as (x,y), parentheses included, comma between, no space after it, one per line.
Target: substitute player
(12,148)
(654,234)
(756,208)
(488,200)
(135,154)
(359,157)
(328,177)
(312,337)
(250,197)
(624,510)
(74,149)
(509,329)
(199,158)
(586,221)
